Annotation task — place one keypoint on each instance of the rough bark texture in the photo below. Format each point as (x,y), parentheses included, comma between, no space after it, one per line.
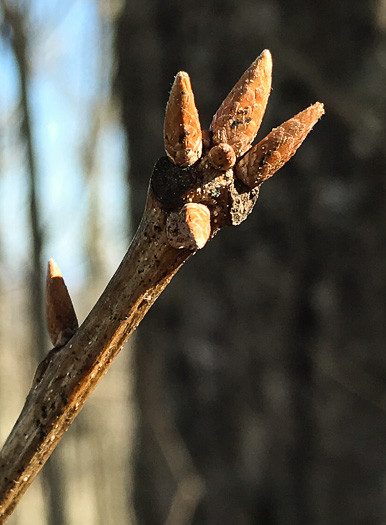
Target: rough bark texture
(271,367)
(68,375)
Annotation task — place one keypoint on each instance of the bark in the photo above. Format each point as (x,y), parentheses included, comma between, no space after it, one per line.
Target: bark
(75,369)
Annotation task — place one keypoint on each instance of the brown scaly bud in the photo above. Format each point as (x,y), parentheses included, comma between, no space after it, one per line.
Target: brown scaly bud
(190,227)
(238,119)
(61,318)
(182,129)
(222,156)
(271,153)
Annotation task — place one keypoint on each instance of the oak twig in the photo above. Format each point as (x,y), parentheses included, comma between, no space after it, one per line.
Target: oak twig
(188,202)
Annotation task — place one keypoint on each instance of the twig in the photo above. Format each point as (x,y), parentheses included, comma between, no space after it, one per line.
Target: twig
(170,232)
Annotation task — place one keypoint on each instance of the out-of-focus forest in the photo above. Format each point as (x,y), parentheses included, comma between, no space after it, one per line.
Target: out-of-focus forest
(254,390)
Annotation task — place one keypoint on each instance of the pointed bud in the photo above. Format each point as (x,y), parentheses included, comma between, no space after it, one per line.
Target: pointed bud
(61,318)
(238,119)
(190,227)
(182,129)
(271,153)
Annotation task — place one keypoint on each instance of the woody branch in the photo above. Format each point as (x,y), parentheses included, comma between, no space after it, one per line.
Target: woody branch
(207,181)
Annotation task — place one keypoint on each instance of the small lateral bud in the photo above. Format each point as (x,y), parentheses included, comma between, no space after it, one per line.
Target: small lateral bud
(239,117)
(182,129)
(271,153)
(222,156)
(190,227)
(61,318)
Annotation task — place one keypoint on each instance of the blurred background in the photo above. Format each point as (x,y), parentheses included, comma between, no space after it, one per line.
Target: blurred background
(254,390)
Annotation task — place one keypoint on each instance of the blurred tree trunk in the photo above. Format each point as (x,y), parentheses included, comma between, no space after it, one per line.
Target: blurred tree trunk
(16,19)
(269,364)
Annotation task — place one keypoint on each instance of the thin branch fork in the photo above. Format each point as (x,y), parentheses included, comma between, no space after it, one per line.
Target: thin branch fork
(209,179)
